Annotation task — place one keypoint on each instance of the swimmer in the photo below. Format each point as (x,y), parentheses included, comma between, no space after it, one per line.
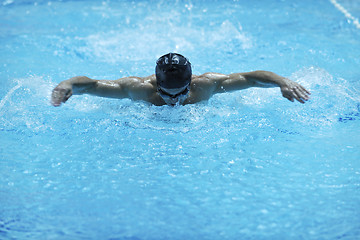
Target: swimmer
(173,84)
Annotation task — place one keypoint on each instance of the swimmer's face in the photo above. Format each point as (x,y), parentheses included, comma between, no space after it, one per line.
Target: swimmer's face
(174,96)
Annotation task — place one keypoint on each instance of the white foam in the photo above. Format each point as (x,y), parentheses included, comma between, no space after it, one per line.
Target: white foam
(347,14)
(7,2)
(26,102)
(8,95)
(118,45)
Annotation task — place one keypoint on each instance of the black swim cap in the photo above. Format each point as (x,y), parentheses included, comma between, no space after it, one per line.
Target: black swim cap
(173,71)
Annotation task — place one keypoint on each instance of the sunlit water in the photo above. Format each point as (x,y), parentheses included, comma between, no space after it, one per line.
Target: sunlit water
(244,165)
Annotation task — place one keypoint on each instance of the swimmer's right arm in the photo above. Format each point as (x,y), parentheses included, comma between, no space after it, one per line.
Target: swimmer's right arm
(136,88)
(84,85)
(62,92)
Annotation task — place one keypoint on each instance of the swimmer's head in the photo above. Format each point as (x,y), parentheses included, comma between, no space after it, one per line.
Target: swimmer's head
(173,71)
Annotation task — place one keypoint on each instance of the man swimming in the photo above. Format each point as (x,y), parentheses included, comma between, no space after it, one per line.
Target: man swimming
(174,84)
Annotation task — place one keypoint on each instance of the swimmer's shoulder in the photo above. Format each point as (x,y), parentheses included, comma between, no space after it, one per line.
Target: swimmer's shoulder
(208,80)
(209,77)
(202,88)
(134,81)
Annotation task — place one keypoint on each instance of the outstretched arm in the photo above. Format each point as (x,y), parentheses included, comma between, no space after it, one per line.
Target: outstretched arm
(237,81)
(128,87)
(76,85)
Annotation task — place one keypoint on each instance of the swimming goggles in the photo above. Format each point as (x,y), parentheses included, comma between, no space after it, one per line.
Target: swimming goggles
(173,59)
(175,96)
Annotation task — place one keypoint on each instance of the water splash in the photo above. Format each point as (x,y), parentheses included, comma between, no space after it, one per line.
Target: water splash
(8,95)
(131,44)
(27,103)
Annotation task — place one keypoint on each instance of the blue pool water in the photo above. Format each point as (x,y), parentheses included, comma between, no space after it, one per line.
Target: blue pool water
(244,165)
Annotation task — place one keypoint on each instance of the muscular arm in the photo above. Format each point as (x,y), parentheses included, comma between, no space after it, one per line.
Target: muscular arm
(128,87)
(237,81)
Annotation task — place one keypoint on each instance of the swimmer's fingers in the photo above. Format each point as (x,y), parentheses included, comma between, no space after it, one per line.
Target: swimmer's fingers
(304,90)
(295,91)
(298,96)
(287,94)
(292,94)
(301,94)
(60,95)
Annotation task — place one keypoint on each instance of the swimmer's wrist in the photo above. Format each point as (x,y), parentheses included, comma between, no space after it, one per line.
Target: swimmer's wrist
(65,84)
(283,82)
(78,85)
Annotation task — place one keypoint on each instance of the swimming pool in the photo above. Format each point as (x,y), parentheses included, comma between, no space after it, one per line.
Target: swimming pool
(244,165)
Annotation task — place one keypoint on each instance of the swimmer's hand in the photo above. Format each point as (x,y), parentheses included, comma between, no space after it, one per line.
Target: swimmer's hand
(72,86)
(61,94)
(292,90)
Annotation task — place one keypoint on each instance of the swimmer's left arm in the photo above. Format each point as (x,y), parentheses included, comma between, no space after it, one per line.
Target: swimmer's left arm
(265,79)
